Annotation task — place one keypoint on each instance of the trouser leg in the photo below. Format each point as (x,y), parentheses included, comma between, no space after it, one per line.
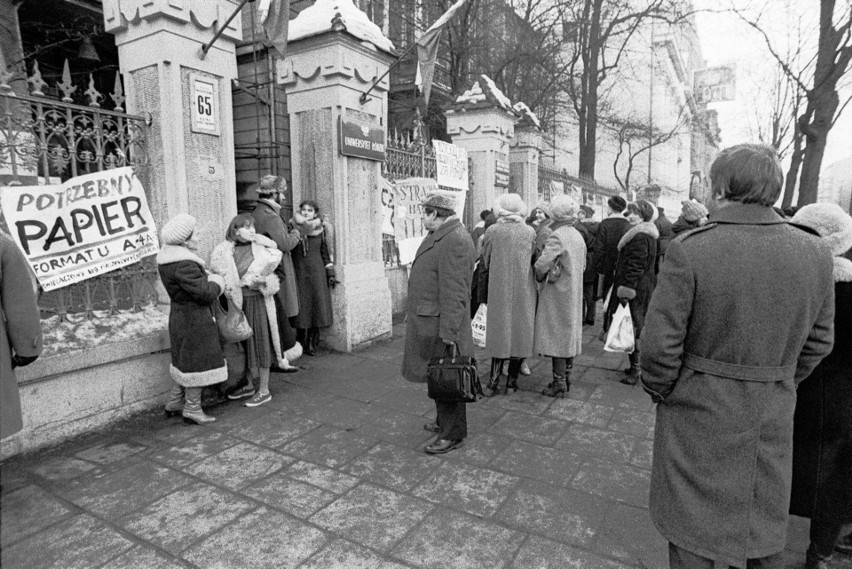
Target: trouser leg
(452,419)
(514,370)
(824,536)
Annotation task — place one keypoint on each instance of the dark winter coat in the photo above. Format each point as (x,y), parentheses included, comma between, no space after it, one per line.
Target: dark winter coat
(634,269)
(268,222)
(822,433)
(742,311)
(438,298)
(681,225)
(197,358)
(20,329)
(610,232)
(588,234)
(664,226)
(310,259)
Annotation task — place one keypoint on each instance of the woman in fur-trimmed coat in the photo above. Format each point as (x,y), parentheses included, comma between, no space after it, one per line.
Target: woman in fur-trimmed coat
(822,431)
(197,358)
(633,280)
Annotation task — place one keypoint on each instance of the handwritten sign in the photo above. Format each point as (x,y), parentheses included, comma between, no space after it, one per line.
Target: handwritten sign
(84,227)
(451,165)
(408,194)
(388,208)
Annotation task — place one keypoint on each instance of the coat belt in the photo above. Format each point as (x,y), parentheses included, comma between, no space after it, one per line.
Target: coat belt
(764,374)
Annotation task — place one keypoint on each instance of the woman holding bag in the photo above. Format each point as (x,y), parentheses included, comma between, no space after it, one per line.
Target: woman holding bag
(247,261)
(559,315)
(633,281)
(197,358)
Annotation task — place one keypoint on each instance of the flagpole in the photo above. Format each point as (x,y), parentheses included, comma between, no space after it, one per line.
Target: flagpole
(364,96)
(206,47)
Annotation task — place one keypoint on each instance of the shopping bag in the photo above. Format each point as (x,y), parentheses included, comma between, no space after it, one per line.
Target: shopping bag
(453,378)
(233,324)
(477,325)
(621,337)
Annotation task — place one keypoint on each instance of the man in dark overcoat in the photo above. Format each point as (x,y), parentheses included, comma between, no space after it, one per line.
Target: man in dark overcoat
(742,312)
(610,231)
(588,230)
(268,222)
(438,313)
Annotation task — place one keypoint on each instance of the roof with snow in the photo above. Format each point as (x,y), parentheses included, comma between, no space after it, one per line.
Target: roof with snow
(317,19)
(483,93)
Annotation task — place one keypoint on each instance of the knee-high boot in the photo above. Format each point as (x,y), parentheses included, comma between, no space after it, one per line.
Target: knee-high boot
(634,374)
(174,406)
(192,411)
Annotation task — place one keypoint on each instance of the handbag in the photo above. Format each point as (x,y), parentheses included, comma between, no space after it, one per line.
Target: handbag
(453,378)
(555,271)
(478,325)
(621,337)
(233,324)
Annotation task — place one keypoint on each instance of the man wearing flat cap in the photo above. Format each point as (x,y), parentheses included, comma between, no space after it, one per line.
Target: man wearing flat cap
(588,229)
(438,314)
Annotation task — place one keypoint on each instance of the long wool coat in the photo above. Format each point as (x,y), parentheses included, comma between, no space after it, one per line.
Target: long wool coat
(742,312)
(268,222)
(20,330)
(822,433)
(559,315)
(507,254)
(438,298)
(610,231)
(310,259)
(197,358)
(637,256)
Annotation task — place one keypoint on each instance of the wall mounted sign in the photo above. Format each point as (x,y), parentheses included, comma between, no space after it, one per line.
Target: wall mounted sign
(204,102)
(714,84)
(362,140)
(501,173)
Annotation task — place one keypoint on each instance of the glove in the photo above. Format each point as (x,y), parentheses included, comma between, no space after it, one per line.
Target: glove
(625,293)
(22,361)
(331,276)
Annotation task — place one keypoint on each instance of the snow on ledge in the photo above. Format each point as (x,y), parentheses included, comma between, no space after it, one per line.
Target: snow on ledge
(523,111)
(317,19)
(485,91)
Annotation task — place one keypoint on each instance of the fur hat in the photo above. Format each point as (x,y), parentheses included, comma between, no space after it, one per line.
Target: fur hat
(268,185)
(511,204)
(616,203)
(563,207)
(693,210)
(439,201)
(831,222)
(178,230)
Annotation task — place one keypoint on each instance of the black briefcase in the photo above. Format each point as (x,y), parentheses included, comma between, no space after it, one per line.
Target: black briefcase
(453,378)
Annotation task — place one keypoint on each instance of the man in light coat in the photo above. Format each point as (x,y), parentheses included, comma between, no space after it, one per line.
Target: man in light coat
(742,312)
(20,331)
(438,314)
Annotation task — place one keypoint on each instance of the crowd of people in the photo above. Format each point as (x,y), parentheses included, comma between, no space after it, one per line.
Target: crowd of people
(276,272)
(744,319)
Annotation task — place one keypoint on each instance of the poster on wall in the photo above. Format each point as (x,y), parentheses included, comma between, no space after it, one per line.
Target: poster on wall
(451,165)
(85,227)
(204,102)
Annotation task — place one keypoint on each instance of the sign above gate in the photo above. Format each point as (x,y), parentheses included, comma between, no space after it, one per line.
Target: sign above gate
(362,140)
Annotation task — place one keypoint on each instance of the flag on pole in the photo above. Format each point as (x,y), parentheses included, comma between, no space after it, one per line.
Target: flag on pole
(427,48)
(275,18)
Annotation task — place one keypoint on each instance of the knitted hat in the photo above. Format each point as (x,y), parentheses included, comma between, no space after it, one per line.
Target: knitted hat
(178,230)
(693,210)
(563,207)
(831,222)
(616,203)
(439,201)
(544,207)
(510,204)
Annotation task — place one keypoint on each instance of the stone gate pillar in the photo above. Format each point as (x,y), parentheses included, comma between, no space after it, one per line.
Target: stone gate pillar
(483,124)
(524,153)
(325,73)
(190,143)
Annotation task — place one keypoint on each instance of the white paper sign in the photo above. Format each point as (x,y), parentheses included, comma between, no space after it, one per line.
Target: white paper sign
(204,101)
(451,164)
(85,227)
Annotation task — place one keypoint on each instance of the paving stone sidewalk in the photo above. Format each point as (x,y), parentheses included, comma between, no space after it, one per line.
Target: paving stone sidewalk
(331,474)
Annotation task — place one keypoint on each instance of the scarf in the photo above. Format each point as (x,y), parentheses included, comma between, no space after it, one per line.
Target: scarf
(174,253)
(645,227)
(510,218)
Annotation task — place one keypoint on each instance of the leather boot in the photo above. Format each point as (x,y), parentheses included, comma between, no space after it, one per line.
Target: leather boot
(174,406)
(514,370)
(310,347)
(561,382)
(634,374)
(192,412)
(493,387)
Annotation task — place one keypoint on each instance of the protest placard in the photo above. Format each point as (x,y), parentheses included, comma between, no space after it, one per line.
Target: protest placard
(84,227)
(451,165)
(408,194)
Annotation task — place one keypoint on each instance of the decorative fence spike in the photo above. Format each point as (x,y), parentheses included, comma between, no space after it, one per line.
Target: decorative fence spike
(36,81)
(117,94)
(93,94)
(66,86)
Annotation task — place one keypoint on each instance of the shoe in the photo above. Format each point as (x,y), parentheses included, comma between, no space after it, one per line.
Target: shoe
(602,336)
(556,388)
(242,392)
(525,369)
(198,417)
(634,374)
(443,445)
(433,426)
(174,411)
(844,545)
(259,399)
(512,383)
(276,369)
(588,322)
(493,387)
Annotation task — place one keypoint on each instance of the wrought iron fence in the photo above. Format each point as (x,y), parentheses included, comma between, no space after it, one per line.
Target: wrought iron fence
(45,141)
(589,189)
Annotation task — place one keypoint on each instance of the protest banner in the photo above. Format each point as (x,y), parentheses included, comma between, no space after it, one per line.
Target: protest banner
(84,227)
(451,165)
(388,208)
(408,194)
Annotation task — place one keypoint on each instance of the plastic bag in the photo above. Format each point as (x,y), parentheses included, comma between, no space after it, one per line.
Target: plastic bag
(621,337)
(477,325)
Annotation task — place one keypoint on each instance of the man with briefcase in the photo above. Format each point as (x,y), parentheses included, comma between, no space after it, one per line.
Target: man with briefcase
(438,314)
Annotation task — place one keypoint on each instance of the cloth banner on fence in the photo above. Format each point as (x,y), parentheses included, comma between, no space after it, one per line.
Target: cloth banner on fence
(451,165)
(87,226)
(407,195)
(388,208)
